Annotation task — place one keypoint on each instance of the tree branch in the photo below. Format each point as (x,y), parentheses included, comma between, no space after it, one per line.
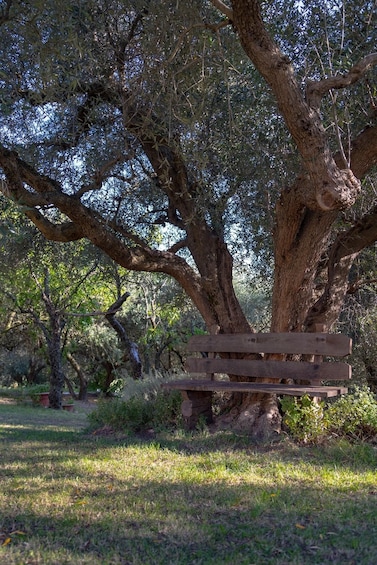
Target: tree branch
(363,152)
(178,245)
(130,346)
(205,25)
(335,188)
(103,234)
(99,176)
(343,252)
(224,9)
(67,231)
(117,305)
(315,91)
(113,309)
(355,287)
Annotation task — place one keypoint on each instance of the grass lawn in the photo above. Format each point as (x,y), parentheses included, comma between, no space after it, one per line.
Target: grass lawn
(71,496)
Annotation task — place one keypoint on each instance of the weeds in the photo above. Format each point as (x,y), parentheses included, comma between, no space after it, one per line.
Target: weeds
(353,416)
(304,418)
(139,413)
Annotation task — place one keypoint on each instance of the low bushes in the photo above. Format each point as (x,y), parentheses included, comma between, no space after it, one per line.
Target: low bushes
(303,418)
(353,416)
(145,406)
(138,414)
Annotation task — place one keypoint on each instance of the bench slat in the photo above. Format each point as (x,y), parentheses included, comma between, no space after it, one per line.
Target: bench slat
(271,369)
(305,343)
(227,386)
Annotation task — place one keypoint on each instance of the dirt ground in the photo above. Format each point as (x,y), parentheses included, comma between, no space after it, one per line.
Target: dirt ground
(7,401)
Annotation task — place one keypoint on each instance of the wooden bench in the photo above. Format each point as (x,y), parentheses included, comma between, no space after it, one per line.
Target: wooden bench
(268,373)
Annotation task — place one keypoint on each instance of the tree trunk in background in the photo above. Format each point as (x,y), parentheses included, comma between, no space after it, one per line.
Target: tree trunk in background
(83,381)
(53,335)
(130,347)
(57,376)
(109,369)
(257,414)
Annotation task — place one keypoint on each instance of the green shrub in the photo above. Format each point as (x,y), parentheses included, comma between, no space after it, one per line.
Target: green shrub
(120,415)
(24,393)
(138,413)
(354,415)
(143,405)
(304,418)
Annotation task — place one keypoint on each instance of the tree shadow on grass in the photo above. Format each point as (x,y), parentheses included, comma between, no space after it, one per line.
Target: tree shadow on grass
(186,523)
(221,500)
(41,426)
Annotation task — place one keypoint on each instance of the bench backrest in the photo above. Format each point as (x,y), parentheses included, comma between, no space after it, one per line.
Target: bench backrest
(317,344)
(337,345)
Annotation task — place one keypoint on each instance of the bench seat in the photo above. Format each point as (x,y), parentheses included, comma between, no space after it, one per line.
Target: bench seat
(269,388)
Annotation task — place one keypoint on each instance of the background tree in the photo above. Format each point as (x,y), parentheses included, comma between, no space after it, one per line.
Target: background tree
(161,318)
(209,120)
(64,296)
(43,285)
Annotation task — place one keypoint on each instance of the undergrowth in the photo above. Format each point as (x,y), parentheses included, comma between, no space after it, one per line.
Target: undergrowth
(146,406)
(353,416)
(138,414)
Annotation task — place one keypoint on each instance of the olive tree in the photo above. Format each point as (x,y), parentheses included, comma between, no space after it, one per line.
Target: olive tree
(42,286)
(174,134)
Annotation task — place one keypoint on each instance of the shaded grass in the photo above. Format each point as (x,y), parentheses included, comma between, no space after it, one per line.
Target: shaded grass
(73,497)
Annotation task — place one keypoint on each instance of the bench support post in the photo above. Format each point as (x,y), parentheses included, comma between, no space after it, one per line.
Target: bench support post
(196,404)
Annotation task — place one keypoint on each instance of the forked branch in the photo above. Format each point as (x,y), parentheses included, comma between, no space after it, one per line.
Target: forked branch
(317,90)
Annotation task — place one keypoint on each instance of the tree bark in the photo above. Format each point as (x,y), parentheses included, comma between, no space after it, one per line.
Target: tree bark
(130,347)
(83,381)
(57,376)
(54,349)
(307,211)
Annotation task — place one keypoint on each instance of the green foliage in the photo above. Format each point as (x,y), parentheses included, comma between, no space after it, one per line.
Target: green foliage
(160,318)
(35,390)
(354,415)
(23,394)
(365,353)
(253,289)
(13,367)
(304,418)
(132,415)
(145,407)
(81,104)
